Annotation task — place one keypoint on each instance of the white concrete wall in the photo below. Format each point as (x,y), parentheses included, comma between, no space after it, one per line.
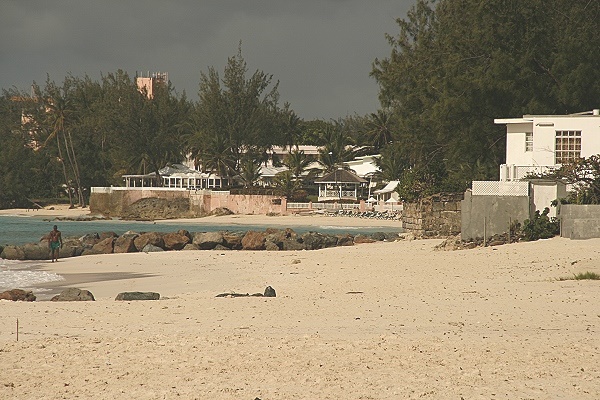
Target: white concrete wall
(543,195)
(515,144)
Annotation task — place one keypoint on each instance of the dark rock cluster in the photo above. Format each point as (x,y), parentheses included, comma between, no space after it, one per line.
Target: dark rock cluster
(131,242)
(17,295)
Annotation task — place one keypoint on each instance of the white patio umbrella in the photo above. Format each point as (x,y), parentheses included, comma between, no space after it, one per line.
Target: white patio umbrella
(392,201)
(371,200)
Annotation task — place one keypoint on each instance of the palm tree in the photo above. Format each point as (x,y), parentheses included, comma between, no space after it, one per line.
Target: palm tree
(215,155)
(378,130)
(338,148)
(250,172)
(391,164)
(286,183)
(292,130)
(297,162)
(59,114)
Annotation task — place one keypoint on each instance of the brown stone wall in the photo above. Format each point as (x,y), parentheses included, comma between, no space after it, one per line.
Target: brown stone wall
(111,202)
(434,216)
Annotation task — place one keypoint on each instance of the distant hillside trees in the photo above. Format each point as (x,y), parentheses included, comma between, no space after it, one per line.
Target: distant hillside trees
(455,65)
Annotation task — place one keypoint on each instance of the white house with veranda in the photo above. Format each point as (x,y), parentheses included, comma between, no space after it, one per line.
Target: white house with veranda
(539,143)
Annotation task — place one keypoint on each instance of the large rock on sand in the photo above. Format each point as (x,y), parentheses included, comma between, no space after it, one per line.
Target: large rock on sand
(74,294)
(12,253)
(102,247)
(358,239)
(72,247)
(175,240)
(125,244)
(316,240)
(254,240)
(127,296)
(150,248)
(292,244)
(278,236)
(208,240)
(233,240)
(17,295)
(36,251)
(153,238)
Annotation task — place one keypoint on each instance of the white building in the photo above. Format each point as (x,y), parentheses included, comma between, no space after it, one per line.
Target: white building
(539,143)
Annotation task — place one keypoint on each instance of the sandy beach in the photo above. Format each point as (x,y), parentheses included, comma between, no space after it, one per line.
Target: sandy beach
(374,321)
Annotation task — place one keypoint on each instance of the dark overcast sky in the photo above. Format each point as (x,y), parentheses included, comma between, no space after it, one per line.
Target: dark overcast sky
(321,51)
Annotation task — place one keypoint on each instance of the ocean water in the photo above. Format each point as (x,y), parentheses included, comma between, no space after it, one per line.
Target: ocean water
(18,230)
(23,275)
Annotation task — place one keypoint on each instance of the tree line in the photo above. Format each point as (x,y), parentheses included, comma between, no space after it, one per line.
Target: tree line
(454,66)
(60,139)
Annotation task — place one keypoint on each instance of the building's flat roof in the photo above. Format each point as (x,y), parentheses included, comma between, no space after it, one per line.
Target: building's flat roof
(530,117)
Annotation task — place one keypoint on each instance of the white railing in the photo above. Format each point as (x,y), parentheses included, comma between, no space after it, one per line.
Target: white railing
(298,205)
(339,194)
(326,206)
(499,188)
(323,206)
(512,172)
(146,188)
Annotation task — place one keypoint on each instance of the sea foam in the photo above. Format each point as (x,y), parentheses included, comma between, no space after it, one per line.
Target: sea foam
(19,275)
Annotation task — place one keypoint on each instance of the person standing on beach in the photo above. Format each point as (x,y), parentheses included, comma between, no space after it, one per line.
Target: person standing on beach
(55,242)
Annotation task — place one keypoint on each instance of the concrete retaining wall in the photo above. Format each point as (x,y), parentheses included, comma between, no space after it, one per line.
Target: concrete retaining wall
(112,201)
(435,216)
(492,214)
(579,221)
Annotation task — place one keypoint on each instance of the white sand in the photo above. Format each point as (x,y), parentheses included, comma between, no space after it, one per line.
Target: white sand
(488,323)
(59,210)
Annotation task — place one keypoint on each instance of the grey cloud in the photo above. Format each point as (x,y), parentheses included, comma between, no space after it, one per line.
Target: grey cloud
(320,50)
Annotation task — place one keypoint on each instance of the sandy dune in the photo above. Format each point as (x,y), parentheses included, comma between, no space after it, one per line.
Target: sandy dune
(375,321)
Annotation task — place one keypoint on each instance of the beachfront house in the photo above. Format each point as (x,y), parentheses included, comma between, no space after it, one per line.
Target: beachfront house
(540,143)
(340,185)
(176,176)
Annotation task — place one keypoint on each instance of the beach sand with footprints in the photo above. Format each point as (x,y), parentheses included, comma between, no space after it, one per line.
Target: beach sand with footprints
(381,320)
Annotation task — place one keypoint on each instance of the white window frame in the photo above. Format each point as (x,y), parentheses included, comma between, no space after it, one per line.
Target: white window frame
(528,141)
(567,146)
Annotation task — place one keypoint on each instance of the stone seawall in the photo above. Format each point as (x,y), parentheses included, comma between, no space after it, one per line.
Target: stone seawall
(114,202)
(434,216)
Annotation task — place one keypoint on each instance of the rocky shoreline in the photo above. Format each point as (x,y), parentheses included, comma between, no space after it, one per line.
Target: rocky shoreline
(131,242)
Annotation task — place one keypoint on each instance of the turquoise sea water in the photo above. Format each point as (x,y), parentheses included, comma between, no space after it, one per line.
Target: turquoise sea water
(18,230)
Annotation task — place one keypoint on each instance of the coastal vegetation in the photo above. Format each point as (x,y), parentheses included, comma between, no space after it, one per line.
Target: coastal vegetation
(454,66)
(582,276)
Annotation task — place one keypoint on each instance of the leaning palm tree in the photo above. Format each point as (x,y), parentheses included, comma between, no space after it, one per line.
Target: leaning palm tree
(58,114)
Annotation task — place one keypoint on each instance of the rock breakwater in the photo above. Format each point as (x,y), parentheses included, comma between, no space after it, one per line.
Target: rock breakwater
(131,242)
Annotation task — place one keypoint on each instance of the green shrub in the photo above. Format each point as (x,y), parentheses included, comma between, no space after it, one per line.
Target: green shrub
(582,276)
(540,226)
